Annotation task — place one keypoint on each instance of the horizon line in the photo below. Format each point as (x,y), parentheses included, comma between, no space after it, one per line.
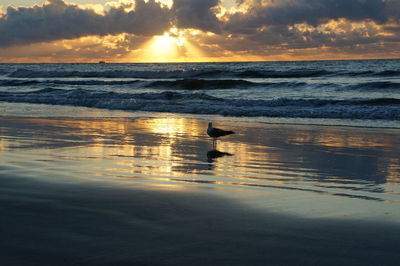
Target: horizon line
(205,62)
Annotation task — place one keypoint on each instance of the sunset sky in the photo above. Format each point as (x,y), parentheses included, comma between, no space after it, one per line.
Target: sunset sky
(197,30)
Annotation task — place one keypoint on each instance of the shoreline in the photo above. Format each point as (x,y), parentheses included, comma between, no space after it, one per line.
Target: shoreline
(21,110)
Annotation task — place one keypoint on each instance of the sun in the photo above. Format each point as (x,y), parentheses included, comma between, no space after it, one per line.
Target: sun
(172,46)
(167,41)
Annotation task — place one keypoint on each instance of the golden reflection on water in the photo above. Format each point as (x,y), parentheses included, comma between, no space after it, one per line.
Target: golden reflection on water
(153,156)
(170,150)
(392,171)
(334,137)
(172,126)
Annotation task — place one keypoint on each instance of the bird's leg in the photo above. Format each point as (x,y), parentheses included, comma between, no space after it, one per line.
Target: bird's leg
(214,143)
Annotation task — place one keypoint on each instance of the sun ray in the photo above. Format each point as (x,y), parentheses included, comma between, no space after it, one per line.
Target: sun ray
(172,46)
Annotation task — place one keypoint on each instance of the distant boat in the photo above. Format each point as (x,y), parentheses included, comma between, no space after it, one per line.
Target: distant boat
(102,62)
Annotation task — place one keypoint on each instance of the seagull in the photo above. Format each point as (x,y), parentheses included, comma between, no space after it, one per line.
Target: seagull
(216,132)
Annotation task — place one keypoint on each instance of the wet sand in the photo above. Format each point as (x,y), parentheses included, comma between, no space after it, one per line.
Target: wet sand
(149,192)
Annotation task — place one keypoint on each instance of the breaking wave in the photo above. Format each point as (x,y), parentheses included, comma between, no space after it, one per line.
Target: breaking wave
(26,73)
(181,84)
(223,72)
(378,85)
(22,82)
(202,103)
(203,84)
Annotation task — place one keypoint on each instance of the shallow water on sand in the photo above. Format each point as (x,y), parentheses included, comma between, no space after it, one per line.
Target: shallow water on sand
(312,171)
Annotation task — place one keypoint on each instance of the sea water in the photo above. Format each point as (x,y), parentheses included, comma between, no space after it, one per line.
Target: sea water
(359,93)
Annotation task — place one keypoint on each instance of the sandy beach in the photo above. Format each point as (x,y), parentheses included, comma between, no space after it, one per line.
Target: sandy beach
(152,191)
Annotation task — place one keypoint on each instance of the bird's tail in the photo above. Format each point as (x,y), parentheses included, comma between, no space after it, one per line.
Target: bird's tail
(229,132)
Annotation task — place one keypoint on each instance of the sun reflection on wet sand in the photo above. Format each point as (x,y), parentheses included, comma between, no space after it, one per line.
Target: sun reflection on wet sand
(392,168)
(176,152)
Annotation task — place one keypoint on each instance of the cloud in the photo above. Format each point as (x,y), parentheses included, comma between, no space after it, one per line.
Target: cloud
(265,27)
(261,13)
(197,14)
(334,39)
(57,20)
(260,28)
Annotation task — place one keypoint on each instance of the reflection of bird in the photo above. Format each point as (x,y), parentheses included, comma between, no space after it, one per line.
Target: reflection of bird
(216,132)
(213,154)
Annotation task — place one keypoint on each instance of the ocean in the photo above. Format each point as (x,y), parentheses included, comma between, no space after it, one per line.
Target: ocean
(110,164)
(362,93)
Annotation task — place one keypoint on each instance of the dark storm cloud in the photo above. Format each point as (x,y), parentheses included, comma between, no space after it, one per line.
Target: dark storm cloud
(313,12)
(58,20)
(197,14)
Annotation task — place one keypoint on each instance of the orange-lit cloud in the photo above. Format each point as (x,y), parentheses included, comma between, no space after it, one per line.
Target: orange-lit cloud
(57,20)
(201,30)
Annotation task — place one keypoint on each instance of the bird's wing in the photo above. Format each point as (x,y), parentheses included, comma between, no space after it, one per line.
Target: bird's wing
(218,132)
